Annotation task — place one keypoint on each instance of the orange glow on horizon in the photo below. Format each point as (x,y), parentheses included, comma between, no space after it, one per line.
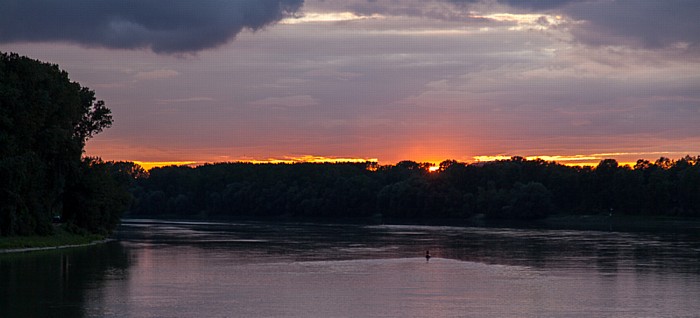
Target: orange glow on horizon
(308,159)
(592,160)
(624,159)
(148,165)
(594,164)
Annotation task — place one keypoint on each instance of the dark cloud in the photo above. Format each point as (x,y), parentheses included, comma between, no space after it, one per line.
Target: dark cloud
(164,26)
(639,24)
(537,4)
(465,2)
(648,24)
(522,4)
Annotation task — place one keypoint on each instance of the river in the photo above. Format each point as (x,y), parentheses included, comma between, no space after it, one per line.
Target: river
(256,269)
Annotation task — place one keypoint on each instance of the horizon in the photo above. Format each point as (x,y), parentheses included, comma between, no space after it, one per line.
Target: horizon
(576,161)
(569,81)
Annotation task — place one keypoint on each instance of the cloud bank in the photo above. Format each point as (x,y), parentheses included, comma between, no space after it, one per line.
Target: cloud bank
(165,27)
(636,24)
(425,80)
(646,24)
(640,24)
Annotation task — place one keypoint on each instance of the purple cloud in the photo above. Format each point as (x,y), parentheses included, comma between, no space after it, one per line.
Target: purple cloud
(162,26)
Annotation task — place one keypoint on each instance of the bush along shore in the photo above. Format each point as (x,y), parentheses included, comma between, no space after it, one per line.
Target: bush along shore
(61,238)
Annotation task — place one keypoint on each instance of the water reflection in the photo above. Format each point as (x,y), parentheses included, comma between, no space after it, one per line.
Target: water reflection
(57,283)
(253,269)
(604,251)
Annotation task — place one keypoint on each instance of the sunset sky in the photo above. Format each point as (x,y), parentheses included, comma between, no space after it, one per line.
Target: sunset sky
(211,81)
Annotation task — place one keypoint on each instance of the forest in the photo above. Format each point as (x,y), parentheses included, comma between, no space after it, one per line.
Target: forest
(516,188)
(45,120)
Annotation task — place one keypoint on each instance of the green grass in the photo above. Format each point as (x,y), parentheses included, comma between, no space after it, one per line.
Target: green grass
(59,238)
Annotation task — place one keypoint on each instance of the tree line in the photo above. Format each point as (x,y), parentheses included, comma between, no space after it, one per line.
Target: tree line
(45,120)
(506,189)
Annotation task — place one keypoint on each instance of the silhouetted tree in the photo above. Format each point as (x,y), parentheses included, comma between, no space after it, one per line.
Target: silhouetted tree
(45,120)
(95,199)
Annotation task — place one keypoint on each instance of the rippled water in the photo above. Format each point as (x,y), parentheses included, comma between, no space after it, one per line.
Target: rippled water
(195,269)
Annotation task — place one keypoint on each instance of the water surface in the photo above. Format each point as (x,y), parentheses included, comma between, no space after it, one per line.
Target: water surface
(206,269)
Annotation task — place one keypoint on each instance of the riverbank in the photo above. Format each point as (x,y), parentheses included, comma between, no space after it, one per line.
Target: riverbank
(60,239)
(589,222)
(623,223)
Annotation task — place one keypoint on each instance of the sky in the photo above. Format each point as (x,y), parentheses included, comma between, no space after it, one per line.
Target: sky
(574,81)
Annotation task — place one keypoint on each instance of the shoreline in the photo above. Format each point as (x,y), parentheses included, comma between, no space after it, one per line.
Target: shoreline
(581,222)
(46,248)
(622,223)
(555,222)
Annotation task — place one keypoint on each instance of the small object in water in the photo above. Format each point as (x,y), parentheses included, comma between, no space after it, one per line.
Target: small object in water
(427,256)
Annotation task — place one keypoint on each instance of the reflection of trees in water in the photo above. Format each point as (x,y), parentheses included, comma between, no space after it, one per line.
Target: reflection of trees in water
(56,283)
(606,252)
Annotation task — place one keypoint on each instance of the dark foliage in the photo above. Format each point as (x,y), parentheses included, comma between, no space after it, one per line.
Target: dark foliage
(45,120)
(95,199)
(508,189)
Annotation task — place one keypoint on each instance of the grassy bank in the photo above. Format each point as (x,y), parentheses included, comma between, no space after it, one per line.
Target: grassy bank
(59,238)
